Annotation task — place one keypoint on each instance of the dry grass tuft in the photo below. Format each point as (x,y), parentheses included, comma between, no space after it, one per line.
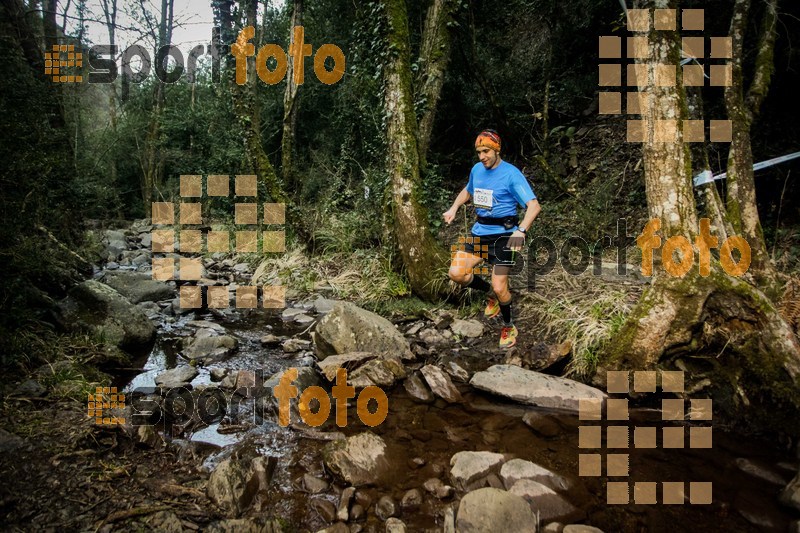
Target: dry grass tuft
(365,275)
(584,310)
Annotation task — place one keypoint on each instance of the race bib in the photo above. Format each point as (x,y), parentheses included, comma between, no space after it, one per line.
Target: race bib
(483,198)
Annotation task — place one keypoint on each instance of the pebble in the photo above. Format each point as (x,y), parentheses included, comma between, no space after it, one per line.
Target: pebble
(385,508)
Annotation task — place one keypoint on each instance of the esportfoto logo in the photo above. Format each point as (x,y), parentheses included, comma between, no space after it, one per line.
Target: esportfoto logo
(104,68)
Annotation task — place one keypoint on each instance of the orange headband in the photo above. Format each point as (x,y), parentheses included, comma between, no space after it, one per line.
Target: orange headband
(488,139)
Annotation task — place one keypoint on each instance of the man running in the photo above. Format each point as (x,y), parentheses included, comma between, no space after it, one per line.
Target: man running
(496,188)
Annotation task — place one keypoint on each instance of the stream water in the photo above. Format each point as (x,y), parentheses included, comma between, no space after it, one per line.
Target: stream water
(747,474)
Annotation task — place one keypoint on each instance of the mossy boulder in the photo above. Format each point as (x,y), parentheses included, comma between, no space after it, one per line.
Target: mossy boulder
(99,310)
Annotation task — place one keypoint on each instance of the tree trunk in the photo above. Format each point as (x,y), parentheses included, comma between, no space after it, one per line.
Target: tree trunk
(424,260)
(711,204)
(741,201)
(110,14)
(719,326)
(434,57)
(152,167)
(246,107)
(290,106)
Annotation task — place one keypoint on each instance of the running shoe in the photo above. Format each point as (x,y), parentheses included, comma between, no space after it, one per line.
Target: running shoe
(492,308)
(508,336)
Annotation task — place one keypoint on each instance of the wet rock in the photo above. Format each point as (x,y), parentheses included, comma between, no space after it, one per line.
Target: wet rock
(491,510)
(467,328)
(290,313)
(790,496)
(9,441)
(218,374)
(165,521)
(314,485)
(432,337)
(436,487)
(323,306)
(442,320)
(358,460)
(378,372)
(363,499)
(456,371)
(270,340)
(449,525)
(415,328)
(95,307)
(416,462)
(385,508)
(234,483)
(357,513)
(343,512)
(30,388)
(306,377)
(176,377)
(517,469)
(494,481)
(209,346)
(543,425)
(440,384)
(349,361)
(147,436)
(151,309)
(411,499)
(138,287)
(295,345)
(534,388)
(249,383)
(303,319)
(760,471)
(205,324)
(580,528)
(549,505)
(112,265)
(395,525)
(348,328)
(467,467)
(326,510)
(115,243)
(192,451)
(178,310)
(417,389)
(142,259)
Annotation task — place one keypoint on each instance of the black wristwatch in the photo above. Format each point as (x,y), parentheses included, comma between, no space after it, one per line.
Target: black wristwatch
(522,230)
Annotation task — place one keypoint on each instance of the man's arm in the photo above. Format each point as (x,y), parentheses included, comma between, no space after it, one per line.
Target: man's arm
(462,198)
(532,210)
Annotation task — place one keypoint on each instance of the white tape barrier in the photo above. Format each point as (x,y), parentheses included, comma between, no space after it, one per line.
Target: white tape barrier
(707,177)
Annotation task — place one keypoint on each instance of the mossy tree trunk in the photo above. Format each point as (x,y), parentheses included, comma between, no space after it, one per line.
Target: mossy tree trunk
(290,105)
(722,327)
(741,201)
(248,112)
(422,256)
(434,57)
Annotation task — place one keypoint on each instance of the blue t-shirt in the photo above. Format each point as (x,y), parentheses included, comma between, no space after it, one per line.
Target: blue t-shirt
(496,193)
